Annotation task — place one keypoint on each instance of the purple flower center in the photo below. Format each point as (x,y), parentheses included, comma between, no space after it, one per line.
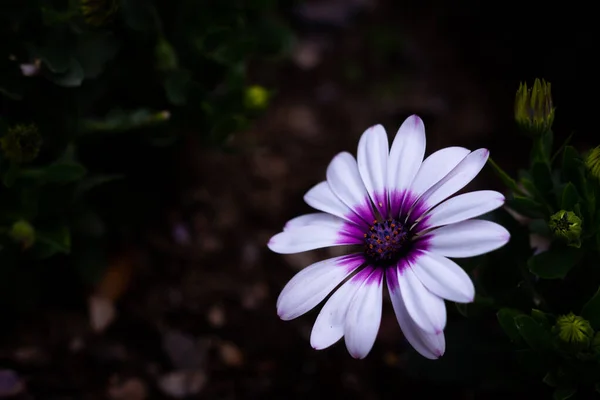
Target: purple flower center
(386,241)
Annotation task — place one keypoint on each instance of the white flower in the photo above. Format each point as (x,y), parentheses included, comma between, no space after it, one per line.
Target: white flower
(390,204)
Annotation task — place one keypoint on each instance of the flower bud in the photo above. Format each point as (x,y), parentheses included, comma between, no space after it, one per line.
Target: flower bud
(23,233)
(98,12)
(256,97)
(533,107)
(21,143)
(566,226)
(592,162)
(574,332)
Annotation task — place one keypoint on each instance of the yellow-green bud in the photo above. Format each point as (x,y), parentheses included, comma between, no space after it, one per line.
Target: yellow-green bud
(98,12)
(166,57)
(22,232)
(592,162)
(574,332)
(533,107)
(256,97)
(21,143)
(566,226)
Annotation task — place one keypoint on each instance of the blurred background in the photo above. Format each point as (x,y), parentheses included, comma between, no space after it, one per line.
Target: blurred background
(151,148)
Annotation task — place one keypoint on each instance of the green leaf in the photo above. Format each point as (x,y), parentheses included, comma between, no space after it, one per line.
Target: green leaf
(562,147)
(526,206)
(506,319)
(591,310)
(542,177)
(554,263)
(534,334)
(569,197)
(572,169)
(564,393)
(541,318)
(504,177)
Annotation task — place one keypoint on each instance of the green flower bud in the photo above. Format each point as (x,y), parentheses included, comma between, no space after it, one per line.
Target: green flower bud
(98,12)
(574,332)
(592,162)
(566,226)
(22,232)
(21,143)
(533,107)
(256,97)
(166,57)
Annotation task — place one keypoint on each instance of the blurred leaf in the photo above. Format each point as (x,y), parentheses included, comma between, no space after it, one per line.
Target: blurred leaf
(554,263)
(59,172)
(570,197)
(51,242)
(11,174)
(139,14)
(591,310)
(541,318)
(540,226)
(534,334)
(506,319)
(94,51)
(550,379)
(91,182)
(73,76)
(119,120)
(177,85)
(564,393)
(532,362)
(526,206)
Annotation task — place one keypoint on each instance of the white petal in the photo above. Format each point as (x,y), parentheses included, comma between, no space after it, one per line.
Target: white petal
(456,179)
(311,285)
(310,238)
(467,238)
(373,149)
(406,156)
(329,326)
(435,167)
(425,308)
(345,181)
(429,345)
(463,207)
(364,316)
(443,277)
(322,198)
(314,219)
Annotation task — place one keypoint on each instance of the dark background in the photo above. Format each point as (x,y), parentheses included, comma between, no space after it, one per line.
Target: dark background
(197,314)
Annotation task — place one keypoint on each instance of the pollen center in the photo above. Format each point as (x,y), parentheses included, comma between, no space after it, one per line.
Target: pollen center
(385,241)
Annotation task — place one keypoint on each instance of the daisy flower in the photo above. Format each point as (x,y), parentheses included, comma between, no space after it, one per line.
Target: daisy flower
(389,204)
